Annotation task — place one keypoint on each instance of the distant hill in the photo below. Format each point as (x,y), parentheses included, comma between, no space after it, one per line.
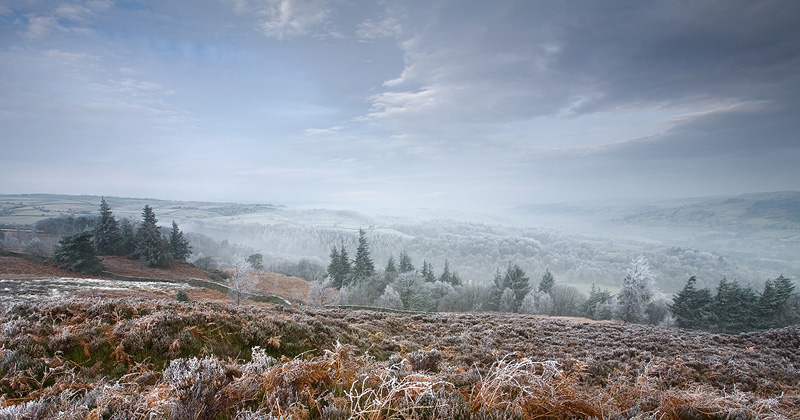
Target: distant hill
(773,211)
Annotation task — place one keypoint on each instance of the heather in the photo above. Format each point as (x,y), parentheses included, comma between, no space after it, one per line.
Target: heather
(138,358)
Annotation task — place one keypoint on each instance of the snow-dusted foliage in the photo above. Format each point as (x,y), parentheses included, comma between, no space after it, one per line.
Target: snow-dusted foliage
(637,290)
(389,299)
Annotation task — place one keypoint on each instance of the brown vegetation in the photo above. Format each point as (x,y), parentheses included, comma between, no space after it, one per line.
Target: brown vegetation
(137,358)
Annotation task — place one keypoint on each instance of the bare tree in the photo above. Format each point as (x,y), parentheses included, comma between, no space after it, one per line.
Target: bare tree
(320,293)
(243,280)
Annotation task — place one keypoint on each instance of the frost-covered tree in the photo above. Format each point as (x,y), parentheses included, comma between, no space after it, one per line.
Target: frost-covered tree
(567,300)
(508,301)
(537,302)
(548,281)
(151,248)
(363,266)
(320,293)
(405,263)
(427,272)
(773,310)
(390,272)
(414,292)
(243,281)
(107,234)
(637,290)
(77,253)
(390,299)
(516,280)
(179,245)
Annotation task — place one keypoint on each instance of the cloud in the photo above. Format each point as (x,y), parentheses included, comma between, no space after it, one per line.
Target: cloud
(371,30)
(284,19)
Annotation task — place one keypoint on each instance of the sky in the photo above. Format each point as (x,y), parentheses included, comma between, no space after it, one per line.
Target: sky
(391,105)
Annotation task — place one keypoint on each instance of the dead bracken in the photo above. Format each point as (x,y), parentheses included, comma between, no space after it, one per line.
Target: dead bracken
(140,358)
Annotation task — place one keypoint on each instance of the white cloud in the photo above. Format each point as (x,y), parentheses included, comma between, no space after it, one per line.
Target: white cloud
(387,28)
(287,18)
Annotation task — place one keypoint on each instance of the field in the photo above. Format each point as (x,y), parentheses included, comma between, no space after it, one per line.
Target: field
(150,358)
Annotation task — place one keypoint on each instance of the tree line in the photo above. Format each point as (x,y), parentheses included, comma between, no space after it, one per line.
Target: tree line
(401,285)
(145,241)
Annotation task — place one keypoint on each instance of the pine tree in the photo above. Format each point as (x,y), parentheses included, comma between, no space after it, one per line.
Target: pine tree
(150,246)
(363,267)
(77,253)
(345,266)
(427,272)
(516,280)
(692,307)
(339,267)
(734,307)
(390,272)
(405,263)
(772,304)
(596,297)
(548,281)
(107,235)
(127,237)
(181,250)
(445,276)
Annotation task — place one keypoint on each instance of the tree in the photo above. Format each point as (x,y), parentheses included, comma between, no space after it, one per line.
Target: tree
(77,253)
(548,281)
(427,272)
(242,281)
(339,267)
(363,266)
(734,307)
(127,237)
(181,250)
(389,299)
(567,300)
(445,276)
(413,292)
(596,297)
(773,311)
(637,290)
(692,307)
(107,234)
(320,293)
(515,279)
(256,261)
(150,246)
(405,263)
(508,301)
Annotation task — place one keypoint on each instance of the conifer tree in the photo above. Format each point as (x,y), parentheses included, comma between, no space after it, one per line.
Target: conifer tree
(597,297)
(390,272)
(150,246)
(773,311)
(734,307)
(107,235)
(363,267)
(77,253)
(427,272)
(516,280)
(181,250)
(127,237)
(405,263)
(445,276)
(692,307)
(548,281)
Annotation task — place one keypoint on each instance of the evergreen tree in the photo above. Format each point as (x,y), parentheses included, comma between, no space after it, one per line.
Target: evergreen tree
(516,280)
(150,246)
(734,307)
(445,276)
(256,261)
(692,307)
(596,297)
(77,253)
(363,266)
(390,272)
(128,237)
(107,235)
(548,281)
(181,250)
(405,263)
(637,290)
(339,267)
(427,272)
(773,311)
